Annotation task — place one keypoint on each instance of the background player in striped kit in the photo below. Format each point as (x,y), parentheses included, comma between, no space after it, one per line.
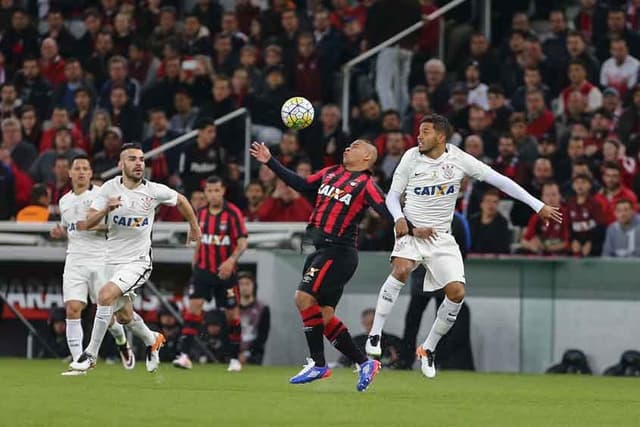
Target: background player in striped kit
(224,239)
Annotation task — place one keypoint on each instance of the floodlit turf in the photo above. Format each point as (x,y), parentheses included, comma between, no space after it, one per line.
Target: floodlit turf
(32,393)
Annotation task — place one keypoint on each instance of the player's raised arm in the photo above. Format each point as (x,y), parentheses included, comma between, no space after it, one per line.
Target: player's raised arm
(261,153)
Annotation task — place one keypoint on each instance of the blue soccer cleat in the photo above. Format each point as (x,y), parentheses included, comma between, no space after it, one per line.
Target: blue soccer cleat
(310,372)
(367,372)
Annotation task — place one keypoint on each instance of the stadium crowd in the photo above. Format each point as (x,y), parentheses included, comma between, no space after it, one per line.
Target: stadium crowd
(553,106)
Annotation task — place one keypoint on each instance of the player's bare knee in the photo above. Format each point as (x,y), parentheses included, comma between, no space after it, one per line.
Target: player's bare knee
(108,294)
(123,317)
(455,291)
(74,309)
(304,300)
(402,269)
(327,313)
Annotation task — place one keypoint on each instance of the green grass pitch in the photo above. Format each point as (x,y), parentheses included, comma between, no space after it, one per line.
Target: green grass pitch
(32,393)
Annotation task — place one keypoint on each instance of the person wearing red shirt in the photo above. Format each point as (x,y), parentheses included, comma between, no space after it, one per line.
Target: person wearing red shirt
(585,216)
(391,122)
(306,71)
(613,190)
(613,151)
(540,119)
(342,12)
(420,107)
(254,193)
(508,164)
(550,238)
(51,64)
(60,118)
(284,205)
(577,73)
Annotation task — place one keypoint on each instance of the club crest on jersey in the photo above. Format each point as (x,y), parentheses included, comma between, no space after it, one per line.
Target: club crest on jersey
(448,170)
(335,193)
(223,226)
(146,202)
(130,221)
(353,183)
(435,190)
(215,240)
(310,274)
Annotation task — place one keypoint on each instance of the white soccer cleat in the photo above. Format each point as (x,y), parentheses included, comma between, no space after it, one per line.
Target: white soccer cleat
(234,366)
(153,353)
(84,363)
(127,356)
(427,362)
(182,361)
(373,346)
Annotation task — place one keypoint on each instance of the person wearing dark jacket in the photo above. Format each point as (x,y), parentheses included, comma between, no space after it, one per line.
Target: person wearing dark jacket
(165,165)
(33,89)
(230,136)
(201,158)
(19,41)
(125,115)
(265,106)
(256,321)
(56,336)
(489,229)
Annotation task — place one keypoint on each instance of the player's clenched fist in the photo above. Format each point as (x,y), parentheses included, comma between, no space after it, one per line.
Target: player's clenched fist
(194,234)
(114,203)
(402,228)
(260,152)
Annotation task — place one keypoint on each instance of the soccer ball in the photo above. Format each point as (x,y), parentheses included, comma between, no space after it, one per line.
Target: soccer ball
(297,113)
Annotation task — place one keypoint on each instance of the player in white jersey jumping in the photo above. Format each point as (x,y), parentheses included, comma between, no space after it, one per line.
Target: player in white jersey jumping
(429,176)
(84,265)
(129,202)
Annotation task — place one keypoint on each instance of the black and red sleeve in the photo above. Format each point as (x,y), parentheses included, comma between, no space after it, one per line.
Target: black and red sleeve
(374,197)
(239,228)
(293,180)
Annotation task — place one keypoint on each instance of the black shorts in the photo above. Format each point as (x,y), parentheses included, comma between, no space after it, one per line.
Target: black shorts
(326,271)
(206,285)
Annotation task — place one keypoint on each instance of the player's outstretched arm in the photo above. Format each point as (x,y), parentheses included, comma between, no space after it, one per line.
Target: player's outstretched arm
(187,212)
(261,153)
(507,185)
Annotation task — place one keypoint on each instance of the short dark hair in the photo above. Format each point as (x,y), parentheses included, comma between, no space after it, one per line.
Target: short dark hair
(62,157)
(440,124)
(419,89)
(215,179)
(624,201)
(256,182)
(131,146)
(578,62)
(549,183)
(575,33)
(612,165)
(80,157)
(37,191)
(491,192)
(496,89)
(246,275)
(204,123)
(582,176)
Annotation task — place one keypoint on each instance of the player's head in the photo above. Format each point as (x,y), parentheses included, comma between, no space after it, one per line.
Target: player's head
(360,155)
(435,131)
(80,171)
(214,189)
(132,161)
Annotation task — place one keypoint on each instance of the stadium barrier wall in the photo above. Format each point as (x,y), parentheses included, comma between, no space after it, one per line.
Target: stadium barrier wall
(524,312)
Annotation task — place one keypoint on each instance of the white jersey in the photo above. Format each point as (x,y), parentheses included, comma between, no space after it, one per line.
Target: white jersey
(83,245)
(129,226)
(431,186)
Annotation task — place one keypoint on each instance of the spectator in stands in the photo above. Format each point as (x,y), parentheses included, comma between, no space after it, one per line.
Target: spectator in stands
(59,34)
(60,119)
(551,238)
(394,149)
(164,166)
(532,81)
(616,29)
(540,119)
(122,33)
(143,67)
(628,127)
(255,194)
(265,106)
(613,151)
(480,124)
(100,123)
(215,337)
(230,134)
(621,70)
(22,153)
(288,151)
(165,31)
(55,335)
(542,173)
(474,146)
(585,216)
(60,185)
(224,58)
(577,50)
(331,47)
(584,20)
(162,93)
(92,23)
(64,93)
(391,123)
(614,190)
(612,103)
(578,83)
(7,186)
(508,163)
(555,44)
(526,144)
(623,236)
(9,102)
(118,67)
(490,232)
(256,321)
(170,328)
(18,41)
(284,205)
(480,51)
(476,90)
(198,200)
(512,66)
(201,158)
(325,143)
(195,39)
(124,114)
(307,73)
(499,108)
(110,155)
(33,88)
(98,62)
(51,63)
(184,120)
(418,108)
(42,169)
(575,113)
(435,77)
(83,114)
(38,209)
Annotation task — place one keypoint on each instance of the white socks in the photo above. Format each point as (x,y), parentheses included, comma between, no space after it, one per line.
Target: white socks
(446,317)
(100,325)
(74,337)
(386,299)
(141,330)
(117,331)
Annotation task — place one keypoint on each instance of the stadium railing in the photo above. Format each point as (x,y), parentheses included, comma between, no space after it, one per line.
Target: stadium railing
(346,68)
(264,235)
(189,135)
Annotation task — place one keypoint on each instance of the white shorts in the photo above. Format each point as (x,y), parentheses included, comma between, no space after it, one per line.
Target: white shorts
(442,259)
(80,279)
(128,277)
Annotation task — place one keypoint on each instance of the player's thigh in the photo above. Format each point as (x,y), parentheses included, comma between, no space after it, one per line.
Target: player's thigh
(328,273)
(408,248)
(129,277)
(75,283)
(99,276)
(202,285)
(226,292)
(445,265)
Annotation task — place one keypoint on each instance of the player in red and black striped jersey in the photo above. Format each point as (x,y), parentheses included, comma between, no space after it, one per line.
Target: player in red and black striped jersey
(344,192)
(224,239)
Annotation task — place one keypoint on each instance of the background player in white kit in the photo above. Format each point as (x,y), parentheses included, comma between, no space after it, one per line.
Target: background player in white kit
(84,265)
(430,176)
(129,202)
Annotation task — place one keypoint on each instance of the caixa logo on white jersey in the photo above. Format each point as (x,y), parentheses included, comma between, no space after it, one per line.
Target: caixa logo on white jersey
(215,240)
(130,221)
(335,193)
(435,190)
